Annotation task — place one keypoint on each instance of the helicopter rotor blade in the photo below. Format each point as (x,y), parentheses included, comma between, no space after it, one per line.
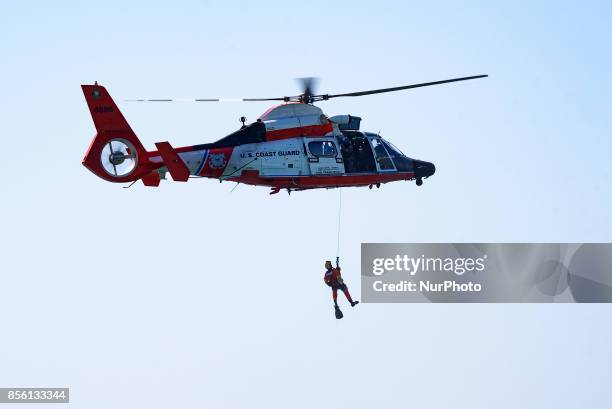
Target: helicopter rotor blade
(308,96)
(286,99)
(308,84)
(324,97)
(206,99)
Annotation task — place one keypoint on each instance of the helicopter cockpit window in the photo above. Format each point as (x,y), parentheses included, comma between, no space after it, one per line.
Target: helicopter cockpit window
(322,148)
(392,149)
(382,157)
(402,163)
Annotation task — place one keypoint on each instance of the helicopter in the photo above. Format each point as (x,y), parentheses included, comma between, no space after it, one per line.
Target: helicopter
(292,146)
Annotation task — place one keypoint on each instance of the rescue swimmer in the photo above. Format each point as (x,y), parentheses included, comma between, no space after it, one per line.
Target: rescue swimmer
(333,279)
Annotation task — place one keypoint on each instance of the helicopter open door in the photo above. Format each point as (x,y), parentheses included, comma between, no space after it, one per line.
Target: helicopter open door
(324,157)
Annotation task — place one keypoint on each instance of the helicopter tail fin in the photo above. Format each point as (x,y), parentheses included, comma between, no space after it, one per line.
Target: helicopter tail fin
(115,154)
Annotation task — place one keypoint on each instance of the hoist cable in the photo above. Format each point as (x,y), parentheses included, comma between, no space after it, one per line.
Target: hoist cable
(339,219)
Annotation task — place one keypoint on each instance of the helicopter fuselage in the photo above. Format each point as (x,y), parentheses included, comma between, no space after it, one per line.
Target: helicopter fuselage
(307,162)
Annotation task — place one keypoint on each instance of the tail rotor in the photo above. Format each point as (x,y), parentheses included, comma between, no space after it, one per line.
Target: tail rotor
(119,157)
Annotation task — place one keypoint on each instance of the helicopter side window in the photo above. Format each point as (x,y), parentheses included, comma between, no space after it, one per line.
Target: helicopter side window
(322,149)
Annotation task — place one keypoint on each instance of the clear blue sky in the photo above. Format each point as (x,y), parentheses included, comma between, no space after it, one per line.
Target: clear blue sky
(189,295)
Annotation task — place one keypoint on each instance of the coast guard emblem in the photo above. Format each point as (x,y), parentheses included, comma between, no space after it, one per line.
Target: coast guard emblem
(216,161)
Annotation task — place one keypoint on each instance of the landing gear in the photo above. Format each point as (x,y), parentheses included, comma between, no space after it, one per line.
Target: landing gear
(419,182)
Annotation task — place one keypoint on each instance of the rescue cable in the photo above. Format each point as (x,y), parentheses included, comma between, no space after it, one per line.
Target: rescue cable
(339,218)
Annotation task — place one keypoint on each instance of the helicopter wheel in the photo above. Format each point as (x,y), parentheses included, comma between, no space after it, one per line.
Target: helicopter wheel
(419,182)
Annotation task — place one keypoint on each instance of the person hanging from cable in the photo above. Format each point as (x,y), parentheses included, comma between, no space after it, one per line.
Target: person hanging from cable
(333,279)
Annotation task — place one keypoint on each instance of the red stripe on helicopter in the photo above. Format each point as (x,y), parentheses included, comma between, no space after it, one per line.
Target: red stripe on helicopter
(313,130)
(312,182)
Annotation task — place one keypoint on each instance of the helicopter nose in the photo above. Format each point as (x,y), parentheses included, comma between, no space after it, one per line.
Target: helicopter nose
(424,169)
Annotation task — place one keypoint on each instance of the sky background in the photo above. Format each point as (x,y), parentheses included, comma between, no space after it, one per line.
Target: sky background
(190,295)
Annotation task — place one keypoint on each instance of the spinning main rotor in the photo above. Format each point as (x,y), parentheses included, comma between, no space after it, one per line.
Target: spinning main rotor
(308,96)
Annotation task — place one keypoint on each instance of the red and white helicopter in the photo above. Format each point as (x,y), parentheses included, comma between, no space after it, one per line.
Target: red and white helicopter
(292,146)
